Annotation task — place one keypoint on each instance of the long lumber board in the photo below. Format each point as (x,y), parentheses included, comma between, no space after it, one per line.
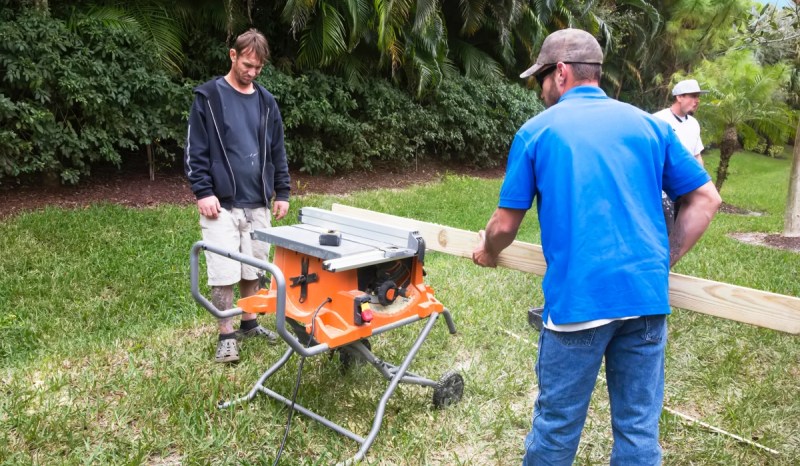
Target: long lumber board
(748,305)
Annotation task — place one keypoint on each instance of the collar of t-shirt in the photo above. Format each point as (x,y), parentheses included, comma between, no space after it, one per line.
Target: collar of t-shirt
(583,91)
(686,118)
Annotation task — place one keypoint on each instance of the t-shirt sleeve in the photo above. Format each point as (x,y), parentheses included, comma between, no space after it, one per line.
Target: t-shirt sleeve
(682,172)
(519,185)
(698,147)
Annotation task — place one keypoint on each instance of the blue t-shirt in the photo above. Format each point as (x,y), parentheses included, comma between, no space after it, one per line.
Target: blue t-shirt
(242,113)
(597,167)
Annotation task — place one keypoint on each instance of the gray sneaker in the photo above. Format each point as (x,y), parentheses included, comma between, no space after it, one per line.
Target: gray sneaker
(227,351)
(260,332)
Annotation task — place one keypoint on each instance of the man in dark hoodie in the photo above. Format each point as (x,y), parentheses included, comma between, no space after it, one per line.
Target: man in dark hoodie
(236,163)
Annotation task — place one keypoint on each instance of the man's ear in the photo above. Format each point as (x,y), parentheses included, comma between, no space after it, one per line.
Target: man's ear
(561,75)
(232,54)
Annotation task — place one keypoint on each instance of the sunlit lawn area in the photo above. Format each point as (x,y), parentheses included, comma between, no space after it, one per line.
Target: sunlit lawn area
(106,359)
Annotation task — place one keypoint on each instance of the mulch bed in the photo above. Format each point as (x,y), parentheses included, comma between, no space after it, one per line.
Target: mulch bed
(131,186)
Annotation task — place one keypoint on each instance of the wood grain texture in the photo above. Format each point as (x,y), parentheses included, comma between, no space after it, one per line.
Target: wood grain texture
(748,305)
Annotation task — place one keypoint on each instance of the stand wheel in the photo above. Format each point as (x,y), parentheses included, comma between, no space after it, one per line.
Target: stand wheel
(349,357)
(449,390)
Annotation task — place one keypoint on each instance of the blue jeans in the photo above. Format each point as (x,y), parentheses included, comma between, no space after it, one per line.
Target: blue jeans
(567,369)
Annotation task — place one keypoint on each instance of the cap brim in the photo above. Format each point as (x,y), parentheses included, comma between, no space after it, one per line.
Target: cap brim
(691,92)
(531,71)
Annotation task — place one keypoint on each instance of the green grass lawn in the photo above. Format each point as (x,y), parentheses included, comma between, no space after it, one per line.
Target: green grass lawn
(106,359)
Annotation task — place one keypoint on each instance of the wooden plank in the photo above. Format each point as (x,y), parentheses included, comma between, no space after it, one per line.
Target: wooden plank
(748,305)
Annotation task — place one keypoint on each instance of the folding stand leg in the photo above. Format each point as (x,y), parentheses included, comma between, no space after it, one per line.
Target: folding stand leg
(395,375)
(259,386)
(395,380)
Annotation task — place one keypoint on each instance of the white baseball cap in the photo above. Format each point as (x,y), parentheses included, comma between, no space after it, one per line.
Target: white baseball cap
(687,86)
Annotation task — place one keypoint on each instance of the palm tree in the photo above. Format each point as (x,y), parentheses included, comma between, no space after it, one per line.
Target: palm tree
(648,52)
(791,224)
(420,42)
(355,37)
(629,30)
(166,26)
(743,104)
(772,33)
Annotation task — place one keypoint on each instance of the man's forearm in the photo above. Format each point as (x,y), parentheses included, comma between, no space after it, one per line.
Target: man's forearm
(499,234)
(697,210)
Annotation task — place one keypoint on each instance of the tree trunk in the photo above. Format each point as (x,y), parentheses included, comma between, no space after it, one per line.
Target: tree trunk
(791,224)
(151,163)
(725,153)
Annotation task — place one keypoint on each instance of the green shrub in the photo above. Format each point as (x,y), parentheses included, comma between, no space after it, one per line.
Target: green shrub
(754,144)
(322,133)
(478,119)
(334,127)
(71,98)
(775,151)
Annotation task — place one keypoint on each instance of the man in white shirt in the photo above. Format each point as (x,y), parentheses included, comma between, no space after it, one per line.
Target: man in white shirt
(679,116)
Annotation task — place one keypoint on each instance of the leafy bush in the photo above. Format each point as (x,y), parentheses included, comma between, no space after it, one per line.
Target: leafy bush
(478,119)
(71,97)
(775,151)
(763,147)
(755,144)
(75,96)
(322,134)
(332,126)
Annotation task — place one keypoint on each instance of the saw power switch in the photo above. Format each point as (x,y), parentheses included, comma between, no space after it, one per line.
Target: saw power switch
(330,238)
(362,311)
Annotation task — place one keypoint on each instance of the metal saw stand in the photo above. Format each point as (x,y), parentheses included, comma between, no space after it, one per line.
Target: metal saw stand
(363,244)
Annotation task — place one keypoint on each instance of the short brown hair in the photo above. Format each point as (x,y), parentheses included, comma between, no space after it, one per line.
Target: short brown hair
(252,40)
(586,71)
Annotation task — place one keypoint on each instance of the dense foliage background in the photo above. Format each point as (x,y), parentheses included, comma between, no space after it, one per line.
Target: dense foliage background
(367,84)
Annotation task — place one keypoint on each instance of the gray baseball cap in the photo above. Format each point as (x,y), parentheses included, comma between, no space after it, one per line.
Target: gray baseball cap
(568,46)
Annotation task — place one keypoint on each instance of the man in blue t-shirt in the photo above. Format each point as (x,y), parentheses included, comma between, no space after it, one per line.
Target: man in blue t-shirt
(236,163)
(596,168)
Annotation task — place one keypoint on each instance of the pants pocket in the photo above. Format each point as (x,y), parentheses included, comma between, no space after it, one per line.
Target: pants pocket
(655,328)
(581,338)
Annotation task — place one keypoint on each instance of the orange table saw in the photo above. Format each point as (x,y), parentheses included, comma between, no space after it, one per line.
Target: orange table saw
(349,279)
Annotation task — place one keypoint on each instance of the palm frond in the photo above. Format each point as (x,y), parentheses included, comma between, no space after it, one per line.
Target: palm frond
(649,10)
(352,69)
(109,16)
(297,13)
(324,40)
(205,13)
(473,14)
(153,22)
(424,12)
(475,62)
(162,31)
(358,15)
